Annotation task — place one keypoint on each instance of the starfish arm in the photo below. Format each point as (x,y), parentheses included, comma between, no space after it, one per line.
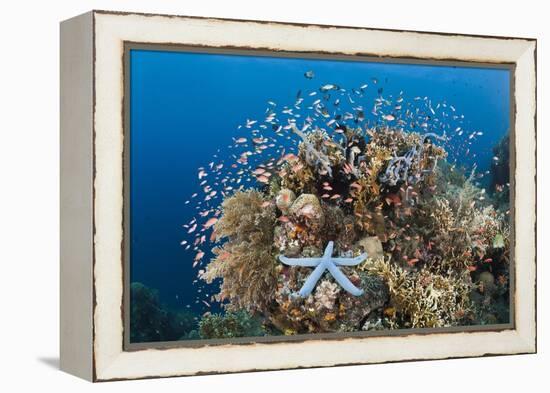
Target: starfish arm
(311,281)
(344,281)
(328,250)
(307,262)
(350,261)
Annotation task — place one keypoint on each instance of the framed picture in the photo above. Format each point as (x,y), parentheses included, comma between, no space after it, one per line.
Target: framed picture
(246,195)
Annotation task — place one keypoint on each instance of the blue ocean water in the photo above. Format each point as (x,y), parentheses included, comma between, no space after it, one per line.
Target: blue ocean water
(185,108)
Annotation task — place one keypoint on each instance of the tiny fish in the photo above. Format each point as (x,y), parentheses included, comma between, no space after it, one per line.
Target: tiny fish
(328,87)
(388,117)
(210,222)
(290,157)
(309,74)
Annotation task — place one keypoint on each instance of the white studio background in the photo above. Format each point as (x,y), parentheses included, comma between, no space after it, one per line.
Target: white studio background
(29,197)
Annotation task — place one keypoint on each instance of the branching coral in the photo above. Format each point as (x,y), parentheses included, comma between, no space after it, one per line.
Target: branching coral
(421,298)
(297,176)
(315,156)
(464,227)
(411,166)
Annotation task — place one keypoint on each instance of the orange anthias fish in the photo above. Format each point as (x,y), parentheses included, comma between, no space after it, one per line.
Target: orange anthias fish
(393,198)
(290,157)
(210,222)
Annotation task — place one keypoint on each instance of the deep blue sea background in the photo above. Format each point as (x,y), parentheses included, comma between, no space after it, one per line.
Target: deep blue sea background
(184,107)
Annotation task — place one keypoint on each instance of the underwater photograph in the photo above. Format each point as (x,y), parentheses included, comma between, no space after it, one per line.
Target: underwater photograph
(279,195)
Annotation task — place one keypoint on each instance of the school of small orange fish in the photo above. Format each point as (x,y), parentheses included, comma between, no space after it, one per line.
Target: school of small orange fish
(267,140)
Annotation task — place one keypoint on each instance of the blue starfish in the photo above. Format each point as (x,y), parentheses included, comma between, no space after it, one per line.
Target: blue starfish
(326,262)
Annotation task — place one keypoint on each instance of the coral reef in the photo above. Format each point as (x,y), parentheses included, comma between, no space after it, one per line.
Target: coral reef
(421,298)
(438,249)
(150,321)
(230,325)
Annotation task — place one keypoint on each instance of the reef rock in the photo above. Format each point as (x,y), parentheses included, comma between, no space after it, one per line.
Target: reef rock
(307,208)
(284,199)
(487,280)
(372,246)
(357,309)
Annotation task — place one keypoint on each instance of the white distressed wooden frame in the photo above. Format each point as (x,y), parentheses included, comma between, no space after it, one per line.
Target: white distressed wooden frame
(92,143)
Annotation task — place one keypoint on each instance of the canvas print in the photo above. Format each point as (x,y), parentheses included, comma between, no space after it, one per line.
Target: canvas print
(282,196)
